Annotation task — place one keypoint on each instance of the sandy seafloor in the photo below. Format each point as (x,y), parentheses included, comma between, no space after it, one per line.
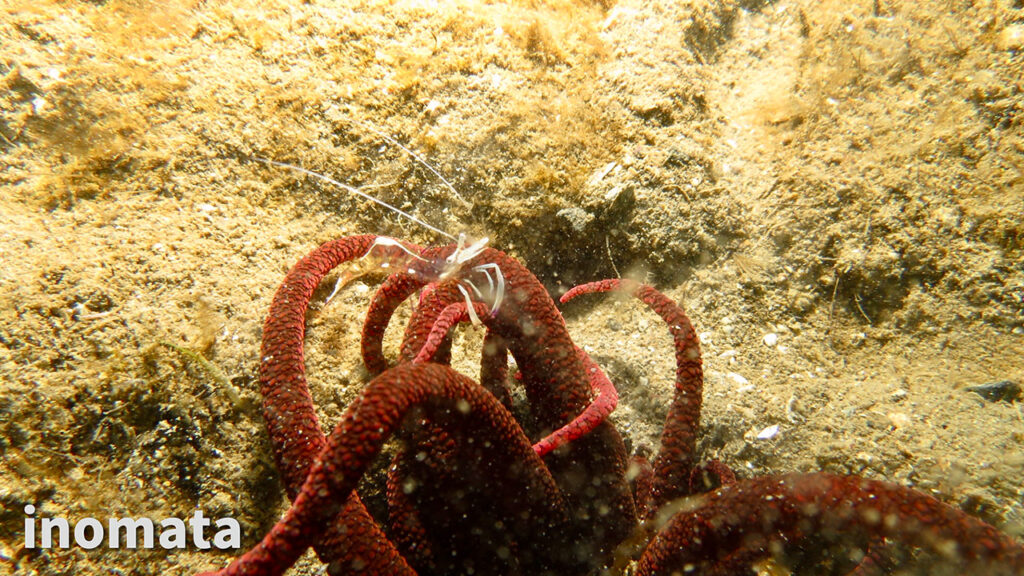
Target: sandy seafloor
(845,176)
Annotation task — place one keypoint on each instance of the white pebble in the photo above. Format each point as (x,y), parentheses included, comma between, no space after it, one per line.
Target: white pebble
(1011,37)
(737,378)
(899,419)
(771,339)
(768,433)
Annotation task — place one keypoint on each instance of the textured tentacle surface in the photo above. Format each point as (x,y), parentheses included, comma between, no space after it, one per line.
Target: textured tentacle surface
(677,459)
(755,517)
(494,368)
(528,493)
(392,292)
(494,357)
(591,470)
(450,316)
(287,405)
(605,400)
(288,410)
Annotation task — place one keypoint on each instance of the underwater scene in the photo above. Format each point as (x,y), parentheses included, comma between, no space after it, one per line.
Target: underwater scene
(595,288)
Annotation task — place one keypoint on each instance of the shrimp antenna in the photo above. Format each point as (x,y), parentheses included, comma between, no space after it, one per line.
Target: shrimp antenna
(419,159)
(360,193)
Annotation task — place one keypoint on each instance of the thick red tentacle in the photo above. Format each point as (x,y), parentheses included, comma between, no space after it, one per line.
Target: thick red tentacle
(494,359)
(468,494)
(451,315)
(754,517)
(405,525)
(605,400)
(288,410)
(287,405)
(494,368)
(392,292)
(553,375)
(557,390)
(677,459)
(529,497)
(434,299)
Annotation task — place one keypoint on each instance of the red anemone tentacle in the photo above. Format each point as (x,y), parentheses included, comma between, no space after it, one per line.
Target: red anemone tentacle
(756,517)
(677,459)
(288,410)
(529,499)
(557,390)
(605,400)
(392,292)
(468,493)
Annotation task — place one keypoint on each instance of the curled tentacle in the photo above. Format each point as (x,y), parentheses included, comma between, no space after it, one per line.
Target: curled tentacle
(287,405)
(557,390)
(606,398)
(288,410)
(395,289)
(450,316)
(464,409)
(470,494)
(677,459)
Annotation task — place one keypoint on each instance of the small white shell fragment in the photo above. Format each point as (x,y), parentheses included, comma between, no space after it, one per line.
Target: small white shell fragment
(599,175)
(727,354)
(737,378)
(705,337)
(770,339)
(768,433)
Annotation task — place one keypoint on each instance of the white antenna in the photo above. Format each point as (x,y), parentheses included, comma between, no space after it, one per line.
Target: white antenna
(362,194)
(419,159)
